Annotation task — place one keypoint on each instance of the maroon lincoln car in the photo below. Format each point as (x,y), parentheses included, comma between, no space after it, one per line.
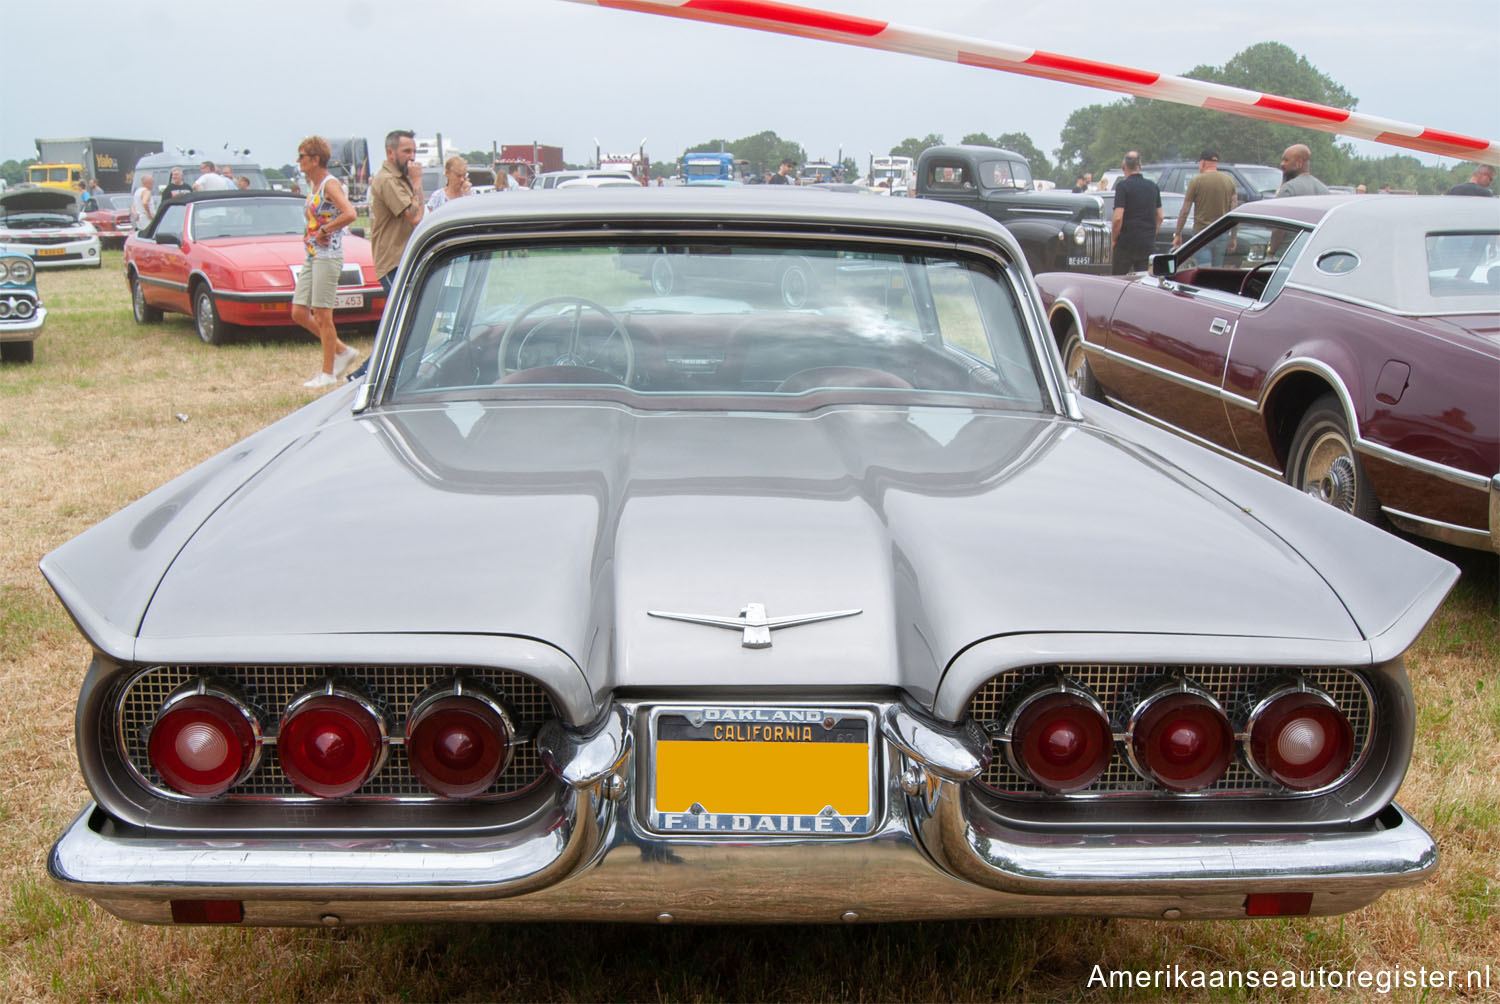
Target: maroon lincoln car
(1349,344)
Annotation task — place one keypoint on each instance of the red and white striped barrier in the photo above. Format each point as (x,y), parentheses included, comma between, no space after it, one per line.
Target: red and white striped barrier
(830,26)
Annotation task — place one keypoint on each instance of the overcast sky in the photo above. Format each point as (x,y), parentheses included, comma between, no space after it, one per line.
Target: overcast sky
(262,76)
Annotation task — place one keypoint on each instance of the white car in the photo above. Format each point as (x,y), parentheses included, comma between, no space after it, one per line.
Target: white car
(555,179)
(48,221)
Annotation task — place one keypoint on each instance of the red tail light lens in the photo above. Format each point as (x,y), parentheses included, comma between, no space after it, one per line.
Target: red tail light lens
(331,742)
(458,740)
(204,741)
(1060,738)
(1180,738)
(1299,739)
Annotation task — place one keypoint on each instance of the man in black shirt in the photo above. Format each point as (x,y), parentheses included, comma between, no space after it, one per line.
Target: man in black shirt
(176,186)
(1137,218)
(782,176)
(1478,184)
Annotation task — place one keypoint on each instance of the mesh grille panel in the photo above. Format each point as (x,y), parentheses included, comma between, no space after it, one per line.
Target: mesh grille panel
(1114,686)
(394,689)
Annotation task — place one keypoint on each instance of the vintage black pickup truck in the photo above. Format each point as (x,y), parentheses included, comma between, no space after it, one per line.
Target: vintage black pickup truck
(1057,231)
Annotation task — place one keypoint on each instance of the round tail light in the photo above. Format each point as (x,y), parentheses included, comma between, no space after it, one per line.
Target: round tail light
(332,741)
(458,739)
(1179,738)
(204,740)
(1299,739)
(1060,739)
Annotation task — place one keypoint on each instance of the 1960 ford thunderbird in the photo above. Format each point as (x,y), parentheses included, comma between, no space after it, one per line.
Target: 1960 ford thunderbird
(593,601)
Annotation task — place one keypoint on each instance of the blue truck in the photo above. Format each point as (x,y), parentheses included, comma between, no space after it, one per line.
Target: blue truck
(705,167)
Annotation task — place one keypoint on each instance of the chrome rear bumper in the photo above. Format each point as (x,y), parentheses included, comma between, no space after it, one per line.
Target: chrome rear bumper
(936,854)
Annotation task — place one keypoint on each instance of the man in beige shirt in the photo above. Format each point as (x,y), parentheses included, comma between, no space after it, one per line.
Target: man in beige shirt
(1209,195)
(396,204)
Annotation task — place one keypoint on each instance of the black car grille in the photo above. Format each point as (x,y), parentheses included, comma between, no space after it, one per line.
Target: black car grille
(44,238)
(1232,686)
(392,688)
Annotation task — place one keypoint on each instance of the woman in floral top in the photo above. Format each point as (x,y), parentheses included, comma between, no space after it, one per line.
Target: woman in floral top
(328,212)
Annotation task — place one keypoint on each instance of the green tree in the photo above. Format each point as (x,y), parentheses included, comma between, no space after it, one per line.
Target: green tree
(913,147)
(14,171)
(851,169)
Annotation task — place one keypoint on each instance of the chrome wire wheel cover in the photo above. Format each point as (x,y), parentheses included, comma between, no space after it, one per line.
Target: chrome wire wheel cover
(207,319)
(1328,472)
(1075,365)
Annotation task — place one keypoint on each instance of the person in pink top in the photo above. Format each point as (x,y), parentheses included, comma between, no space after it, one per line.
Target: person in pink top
(328,212)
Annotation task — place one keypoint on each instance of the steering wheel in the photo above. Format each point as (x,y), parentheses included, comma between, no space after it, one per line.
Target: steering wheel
(571,355)
(1245,282)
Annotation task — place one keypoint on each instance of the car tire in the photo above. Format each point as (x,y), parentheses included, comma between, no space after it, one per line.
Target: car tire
(143,312)
(17,352)
(1076,368)
(795,285)
(663,276)
(211,328)
(1323,462)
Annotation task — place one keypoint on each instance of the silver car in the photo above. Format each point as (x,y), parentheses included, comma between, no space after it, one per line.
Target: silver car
(595,602)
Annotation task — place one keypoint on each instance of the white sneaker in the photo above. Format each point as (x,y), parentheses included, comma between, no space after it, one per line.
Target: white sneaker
(321,380)
(344,361)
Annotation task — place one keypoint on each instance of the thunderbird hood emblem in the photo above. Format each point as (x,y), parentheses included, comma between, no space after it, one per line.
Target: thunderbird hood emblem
(754,622)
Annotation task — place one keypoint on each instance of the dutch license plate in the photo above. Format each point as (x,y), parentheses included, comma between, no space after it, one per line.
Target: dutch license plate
(50,252)
(763,770)
(342,301)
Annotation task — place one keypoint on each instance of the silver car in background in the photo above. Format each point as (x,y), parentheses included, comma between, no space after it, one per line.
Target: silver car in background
(694,605)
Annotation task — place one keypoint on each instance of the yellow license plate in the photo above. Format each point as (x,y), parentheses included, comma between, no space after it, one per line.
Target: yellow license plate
(49,252)
(763,770)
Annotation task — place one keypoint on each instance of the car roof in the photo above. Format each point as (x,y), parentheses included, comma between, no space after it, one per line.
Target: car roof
(796,206)
(1388,234)
(221,196)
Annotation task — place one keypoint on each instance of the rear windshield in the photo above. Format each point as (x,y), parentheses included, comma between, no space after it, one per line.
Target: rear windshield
(247,218)
(778,325)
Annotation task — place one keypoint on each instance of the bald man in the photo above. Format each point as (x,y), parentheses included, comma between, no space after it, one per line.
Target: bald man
(1296,173)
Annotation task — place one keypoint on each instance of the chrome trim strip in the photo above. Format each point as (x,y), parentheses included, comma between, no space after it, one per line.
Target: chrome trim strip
(1383,308)
(1464,479)
(286,296)
(1448,533)
(1221,450)
(163,283)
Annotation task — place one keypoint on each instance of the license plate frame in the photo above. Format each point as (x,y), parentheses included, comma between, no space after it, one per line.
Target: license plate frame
(725,770)
(50,252)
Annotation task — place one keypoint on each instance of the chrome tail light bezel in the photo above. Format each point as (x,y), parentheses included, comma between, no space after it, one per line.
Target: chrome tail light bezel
(1261,706)
(1142,719)
(197,693)
(441,697)
(1056,692)
(323,695)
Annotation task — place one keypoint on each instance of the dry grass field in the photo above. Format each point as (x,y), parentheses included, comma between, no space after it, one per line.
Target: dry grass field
(110,410)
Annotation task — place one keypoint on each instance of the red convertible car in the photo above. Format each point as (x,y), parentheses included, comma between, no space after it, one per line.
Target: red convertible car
(1350,345)
(231,258)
